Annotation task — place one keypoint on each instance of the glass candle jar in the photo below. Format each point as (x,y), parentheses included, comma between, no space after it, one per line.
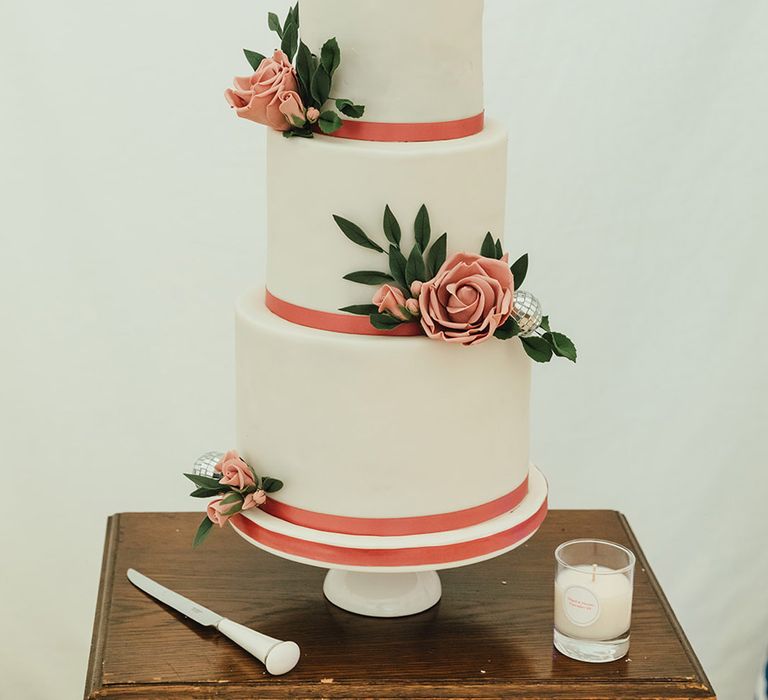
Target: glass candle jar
(593,600)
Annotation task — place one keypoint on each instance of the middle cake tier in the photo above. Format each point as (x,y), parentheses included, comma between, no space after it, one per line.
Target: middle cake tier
(379,435)
(462,183)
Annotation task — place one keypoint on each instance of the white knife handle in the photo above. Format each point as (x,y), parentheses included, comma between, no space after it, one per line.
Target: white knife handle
(279,657)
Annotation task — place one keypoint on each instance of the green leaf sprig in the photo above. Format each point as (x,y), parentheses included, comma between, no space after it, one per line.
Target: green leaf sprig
(422,263)
(546,344)
(314,76)
(208,487)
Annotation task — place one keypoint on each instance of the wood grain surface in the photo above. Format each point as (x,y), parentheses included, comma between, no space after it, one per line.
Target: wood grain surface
(489,637)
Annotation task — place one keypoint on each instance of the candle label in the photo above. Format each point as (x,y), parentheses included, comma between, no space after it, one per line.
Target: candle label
(581,605)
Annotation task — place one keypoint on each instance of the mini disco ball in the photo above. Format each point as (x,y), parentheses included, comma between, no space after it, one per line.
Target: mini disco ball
(526,310)
(205,465)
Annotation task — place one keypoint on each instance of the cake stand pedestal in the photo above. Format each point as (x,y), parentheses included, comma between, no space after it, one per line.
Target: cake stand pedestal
(383,595)
(394,576)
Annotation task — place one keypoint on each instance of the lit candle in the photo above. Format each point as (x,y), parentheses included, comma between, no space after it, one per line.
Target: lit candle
(592,602)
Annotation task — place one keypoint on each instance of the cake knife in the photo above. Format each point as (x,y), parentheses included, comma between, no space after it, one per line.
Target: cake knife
(279,657)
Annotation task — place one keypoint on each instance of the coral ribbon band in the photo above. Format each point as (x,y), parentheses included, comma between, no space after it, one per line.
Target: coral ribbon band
(428,131)
(408,556)
(337,323)
(393,527)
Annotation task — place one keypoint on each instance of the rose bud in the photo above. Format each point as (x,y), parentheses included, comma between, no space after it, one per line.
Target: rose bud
(254,500)
(389,299)
(235,472)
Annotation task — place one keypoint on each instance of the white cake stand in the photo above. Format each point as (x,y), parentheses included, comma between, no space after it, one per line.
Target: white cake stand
(394,576)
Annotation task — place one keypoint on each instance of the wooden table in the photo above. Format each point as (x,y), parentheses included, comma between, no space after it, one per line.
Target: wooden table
(489,637)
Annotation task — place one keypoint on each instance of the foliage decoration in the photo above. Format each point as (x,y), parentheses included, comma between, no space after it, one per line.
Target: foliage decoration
(236,487)
(304,100)
(410,270)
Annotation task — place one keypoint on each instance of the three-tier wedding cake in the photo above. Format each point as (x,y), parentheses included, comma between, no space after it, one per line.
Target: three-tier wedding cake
(383,368)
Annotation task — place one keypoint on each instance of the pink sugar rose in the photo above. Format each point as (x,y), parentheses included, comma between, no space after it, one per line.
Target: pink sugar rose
(412,306)
(259,97)
(254,500)
(235,472)
(313,114)
(389,299)
(217,513)
(468,299)
(416,288)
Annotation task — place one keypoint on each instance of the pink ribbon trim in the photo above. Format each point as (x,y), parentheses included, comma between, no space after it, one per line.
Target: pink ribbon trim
(336,323)
(393,527)
(411,556)
(428,131)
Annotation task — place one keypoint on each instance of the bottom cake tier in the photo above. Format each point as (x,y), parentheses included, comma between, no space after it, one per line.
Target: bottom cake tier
(381,435)
(440,550)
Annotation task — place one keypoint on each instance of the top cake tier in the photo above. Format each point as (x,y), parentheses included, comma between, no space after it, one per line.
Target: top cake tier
(407,61)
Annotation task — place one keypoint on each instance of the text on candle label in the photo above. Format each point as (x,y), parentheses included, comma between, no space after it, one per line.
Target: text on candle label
(581,605)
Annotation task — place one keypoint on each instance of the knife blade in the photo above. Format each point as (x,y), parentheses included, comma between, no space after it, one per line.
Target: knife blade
(277,655)
(178,602)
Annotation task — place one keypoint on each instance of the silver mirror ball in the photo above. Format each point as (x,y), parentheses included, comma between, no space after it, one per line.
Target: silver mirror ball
(205,465)
(526,310)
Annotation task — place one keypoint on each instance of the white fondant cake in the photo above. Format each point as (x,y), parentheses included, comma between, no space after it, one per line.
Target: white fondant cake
(405,60)
(363,426)
(370,427)
(462,182)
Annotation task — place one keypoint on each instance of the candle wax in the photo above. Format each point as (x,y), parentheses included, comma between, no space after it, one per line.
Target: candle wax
(592,603)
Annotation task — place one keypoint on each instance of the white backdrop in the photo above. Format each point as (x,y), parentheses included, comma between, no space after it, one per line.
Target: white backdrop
(133,214)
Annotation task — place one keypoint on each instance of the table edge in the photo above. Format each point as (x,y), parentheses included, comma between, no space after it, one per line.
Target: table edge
(533,690)
(676,626)
(100,631)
